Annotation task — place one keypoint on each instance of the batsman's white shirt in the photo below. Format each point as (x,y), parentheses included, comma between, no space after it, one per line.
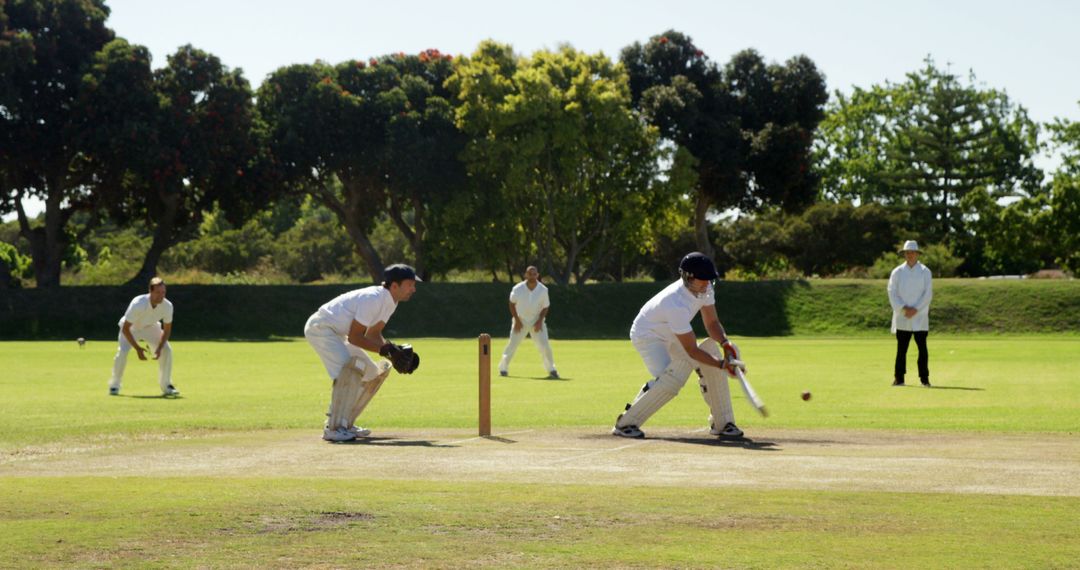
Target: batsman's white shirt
(528,304)
(141,314)
(366,306)
(911,286)
(669,313)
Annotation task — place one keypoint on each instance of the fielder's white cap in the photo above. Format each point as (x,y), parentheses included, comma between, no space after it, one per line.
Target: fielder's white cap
(910,245)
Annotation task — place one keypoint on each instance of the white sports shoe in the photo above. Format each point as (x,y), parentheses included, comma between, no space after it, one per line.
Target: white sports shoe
(358,431)
(170,391)
(338,434)
(628,431)
(730,430)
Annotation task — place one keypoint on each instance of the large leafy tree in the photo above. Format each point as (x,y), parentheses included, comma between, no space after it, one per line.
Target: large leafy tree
(924,144)
(368,139)
(749,124)
(1065,195)
(204,148)
(46,47)
(554,140)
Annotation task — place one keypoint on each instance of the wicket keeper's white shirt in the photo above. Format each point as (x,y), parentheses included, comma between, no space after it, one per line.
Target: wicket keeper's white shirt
(140,314)
(367,306)
(669,313)
(528,304)
(910,287)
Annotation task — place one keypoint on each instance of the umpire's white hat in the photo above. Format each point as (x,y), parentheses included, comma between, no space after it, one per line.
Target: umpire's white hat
(910,245)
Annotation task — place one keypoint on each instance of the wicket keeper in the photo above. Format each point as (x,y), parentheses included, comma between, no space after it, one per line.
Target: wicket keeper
(342,332)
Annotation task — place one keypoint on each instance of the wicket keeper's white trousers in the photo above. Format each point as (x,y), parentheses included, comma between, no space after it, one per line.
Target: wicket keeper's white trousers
(540,339)
(333,349)
(151,335)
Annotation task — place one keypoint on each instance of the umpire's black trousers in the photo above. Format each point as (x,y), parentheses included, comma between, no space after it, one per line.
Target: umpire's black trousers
(903,340)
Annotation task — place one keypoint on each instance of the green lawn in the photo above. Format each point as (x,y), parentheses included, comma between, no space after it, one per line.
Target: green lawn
(55,391)
(54,396)
(363,523)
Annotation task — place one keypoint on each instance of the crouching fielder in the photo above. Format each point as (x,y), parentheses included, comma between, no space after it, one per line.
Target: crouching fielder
(664,338)
(342,330)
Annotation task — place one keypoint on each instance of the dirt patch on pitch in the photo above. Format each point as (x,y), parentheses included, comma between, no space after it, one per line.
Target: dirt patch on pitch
(1040,464)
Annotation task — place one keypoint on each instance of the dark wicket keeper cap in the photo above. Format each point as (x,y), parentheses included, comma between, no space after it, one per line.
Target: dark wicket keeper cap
(699,266)
(399,272)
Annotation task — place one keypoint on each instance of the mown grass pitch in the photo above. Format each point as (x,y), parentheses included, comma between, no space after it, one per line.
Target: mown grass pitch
(70,498)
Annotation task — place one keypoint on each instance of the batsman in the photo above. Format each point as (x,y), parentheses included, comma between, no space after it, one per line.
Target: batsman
(664,338)
(343,331)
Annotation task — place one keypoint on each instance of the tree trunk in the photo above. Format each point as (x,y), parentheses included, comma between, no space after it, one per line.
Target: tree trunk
(414,235)
(701,225)
(365,249)
(47,243)
(163,239)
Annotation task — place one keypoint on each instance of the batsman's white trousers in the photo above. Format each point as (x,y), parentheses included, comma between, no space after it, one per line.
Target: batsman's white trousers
(333,349)
(540,339)
(151,335)
(658,354)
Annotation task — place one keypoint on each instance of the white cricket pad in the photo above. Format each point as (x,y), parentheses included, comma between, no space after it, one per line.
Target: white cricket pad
(714,387)
(348,387)
(373,379)
(655,393)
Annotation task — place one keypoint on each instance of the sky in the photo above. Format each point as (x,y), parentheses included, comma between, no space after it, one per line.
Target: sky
(1028,48)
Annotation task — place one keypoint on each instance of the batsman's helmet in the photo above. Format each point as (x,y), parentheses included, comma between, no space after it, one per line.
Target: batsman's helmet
(399,272)
(698,266)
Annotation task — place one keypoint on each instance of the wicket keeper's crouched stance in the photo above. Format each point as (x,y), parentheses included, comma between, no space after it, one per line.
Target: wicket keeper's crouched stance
(341,330)
(663,337)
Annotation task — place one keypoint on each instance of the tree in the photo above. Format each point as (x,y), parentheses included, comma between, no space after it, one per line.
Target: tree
(367,138)
(206,150)
(553,136)
(924,144)
(1065,196)
(47,47)
(828,238)
(749,125)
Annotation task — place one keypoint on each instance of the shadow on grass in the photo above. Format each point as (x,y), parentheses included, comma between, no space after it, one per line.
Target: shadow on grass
(392,442)
(147,397)
(733,442)
(936,387)
(546,378)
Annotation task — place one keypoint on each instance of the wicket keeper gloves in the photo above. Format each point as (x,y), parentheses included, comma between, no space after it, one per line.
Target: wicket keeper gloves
(403,358)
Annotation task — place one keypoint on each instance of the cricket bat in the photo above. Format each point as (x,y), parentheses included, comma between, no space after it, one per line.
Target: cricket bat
(751,395)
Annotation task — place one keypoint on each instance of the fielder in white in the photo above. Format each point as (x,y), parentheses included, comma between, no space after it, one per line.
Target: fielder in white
(664,338)
(342,330)
(529,305)
(142,322)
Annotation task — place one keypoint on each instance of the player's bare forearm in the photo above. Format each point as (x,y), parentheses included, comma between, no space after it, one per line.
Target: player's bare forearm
(367,338)
(717,332)
(712,324)
(689,344)
(705,358)
(131,340)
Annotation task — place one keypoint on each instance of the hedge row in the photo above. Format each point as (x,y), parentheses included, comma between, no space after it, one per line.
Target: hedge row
(764,308)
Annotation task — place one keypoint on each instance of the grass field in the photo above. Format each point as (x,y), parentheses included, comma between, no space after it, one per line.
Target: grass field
(978,472)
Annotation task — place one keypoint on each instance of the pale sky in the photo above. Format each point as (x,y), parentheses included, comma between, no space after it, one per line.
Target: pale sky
(1029,49)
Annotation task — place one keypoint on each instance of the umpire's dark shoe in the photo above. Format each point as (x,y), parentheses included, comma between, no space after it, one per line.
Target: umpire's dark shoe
(925,382)
(898,382)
